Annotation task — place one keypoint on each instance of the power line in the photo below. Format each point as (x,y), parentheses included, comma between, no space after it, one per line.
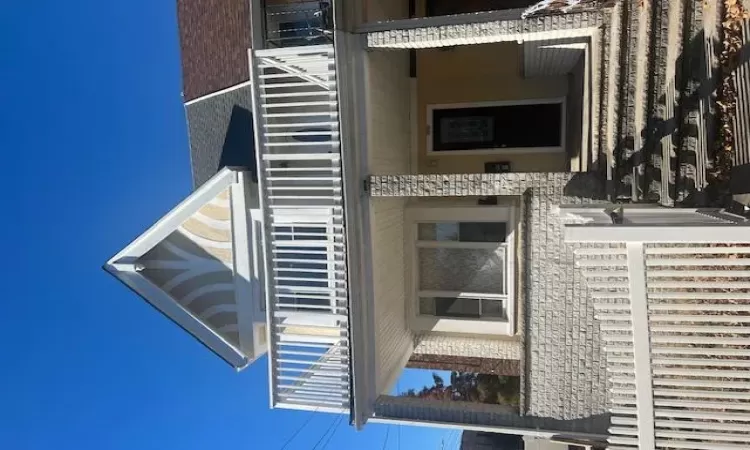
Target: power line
(338,424)
(456,437)
(288,441)
(387,432)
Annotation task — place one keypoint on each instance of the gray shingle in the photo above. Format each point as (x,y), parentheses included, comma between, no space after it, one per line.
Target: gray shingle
(221,133)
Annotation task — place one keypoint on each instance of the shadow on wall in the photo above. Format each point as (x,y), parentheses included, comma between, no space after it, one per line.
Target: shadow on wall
(588,185)
(692,95)
(239,142)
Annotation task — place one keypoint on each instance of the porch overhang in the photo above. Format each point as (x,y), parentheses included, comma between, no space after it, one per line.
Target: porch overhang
(479,28)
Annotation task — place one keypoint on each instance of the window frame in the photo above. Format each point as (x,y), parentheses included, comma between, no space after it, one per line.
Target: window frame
(439,213)
(497,150)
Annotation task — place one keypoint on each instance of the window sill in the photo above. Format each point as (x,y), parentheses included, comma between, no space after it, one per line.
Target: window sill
(462,326)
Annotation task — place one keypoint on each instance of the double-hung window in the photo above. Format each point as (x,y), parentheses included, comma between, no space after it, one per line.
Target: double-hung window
(462,269)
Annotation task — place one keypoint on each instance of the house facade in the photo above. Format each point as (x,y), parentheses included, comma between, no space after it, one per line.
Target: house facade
(467,186)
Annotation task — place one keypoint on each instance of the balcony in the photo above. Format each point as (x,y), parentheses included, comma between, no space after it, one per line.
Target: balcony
(298,23)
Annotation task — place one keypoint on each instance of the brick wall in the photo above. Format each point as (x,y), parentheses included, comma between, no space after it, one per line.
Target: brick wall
(214,40)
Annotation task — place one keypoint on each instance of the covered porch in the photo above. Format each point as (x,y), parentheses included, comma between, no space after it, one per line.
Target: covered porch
(555,342)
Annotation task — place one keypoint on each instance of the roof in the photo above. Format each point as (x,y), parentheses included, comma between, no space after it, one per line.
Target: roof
(214,39)
(189,265)
(221,133)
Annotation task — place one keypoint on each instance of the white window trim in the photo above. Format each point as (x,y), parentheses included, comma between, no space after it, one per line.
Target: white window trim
(503,150)
(423,323)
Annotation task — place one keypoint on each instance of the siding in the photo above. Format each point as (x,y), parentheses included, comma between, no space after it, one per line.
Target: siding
(574,122)
(552,57)
(388,141)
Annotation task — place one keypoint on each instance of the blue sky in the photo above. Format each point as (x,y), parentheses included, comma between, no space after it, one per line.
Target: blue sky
(94,150)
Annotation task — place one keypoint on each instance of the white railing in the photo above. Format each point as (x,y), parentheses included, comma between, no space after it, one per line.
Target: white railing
(297,134)
(675,319)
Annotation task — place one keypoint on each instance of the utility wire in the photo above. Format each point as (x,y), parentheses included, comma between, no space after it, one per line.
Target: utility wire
(288,441)
(398,436)
(338,420)
(456,437)
(387,432)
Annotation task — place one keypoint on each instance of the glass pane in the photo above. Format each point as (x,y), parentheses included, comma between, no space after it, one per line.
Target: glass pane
(462,270)
(442,231)
(427,306)
(467,129)
(462,231)
(457,307)
(493,309)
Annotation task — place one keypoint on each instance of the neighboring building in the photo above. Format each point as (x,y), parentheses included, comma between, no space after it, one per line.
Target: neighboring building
(390,184)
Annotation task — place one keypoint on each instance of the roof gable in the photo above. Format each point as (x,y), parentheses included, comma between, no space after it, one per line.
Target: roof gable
(195,266)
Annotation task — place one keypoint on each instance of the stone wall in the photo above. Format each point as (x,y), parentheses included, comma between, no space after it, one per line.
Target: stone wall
(503,30)
(488,366)
(481,414)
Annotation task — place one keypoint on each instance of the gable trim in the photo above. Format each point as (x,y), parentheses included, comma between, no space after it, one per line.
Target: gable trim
(125,267)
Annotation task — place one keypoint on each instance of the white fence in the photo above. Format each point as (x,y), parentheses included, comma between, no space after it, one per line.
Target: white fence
(297,134)
(675,319)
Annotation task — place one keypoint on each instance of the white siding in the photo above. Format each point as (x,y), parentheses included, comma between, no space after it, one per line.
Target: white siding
(475,347)
(552,57)
(388,144)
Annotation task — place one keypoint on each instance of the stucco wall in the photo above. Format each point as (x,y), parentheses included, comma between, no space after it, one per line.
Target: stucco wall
(443,77)
(388,142)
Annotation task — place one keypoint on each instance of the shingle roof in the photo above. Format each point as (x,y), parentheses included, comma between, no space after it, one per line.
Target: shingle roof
(214,39)
(221,133)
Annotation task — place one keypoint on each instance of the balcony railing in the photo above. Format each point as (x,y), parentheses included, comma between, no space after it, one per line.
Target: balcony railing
(298,23)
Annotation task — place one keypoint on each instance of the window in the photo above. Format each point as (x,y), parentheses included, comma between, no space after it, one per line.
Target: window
(463,308)
(496,127)
(291,24)
(462,271)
